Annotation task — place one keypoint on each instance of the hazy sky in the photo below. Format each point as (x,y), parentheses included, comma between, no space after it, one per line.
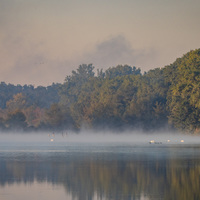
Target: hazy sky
(42,41)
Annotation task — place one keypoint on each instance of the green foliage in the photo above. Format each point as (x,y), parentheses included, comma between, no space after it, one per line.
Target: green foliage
(16,120)
(147,107)
(40,96)
(121,97)
(29,100)
(121,70)
(117,98)
(7,92)
(17,102)
(73,84)
(35,116)
(58,117)
(184,93)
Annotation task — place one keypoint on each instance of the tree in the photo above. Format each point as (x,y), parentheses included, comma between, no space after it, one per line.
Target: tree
(18,102)
(55,117)
(35,116)
(2,126)
(73,84)
(184,94)
(121,70)
(7,92)
(59,117)
(16,120)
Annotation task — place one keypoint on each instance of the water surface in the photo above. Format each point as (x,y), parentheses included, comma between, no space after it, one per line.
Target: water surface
(104,171)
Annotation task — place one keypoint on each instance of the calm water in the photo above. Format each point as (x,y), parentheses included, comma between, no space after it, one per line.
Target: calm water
(99,171)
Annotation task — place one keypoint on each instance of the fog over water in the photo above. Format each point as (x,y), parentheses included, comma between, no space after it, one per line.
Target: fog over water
(99,166)
(101,137)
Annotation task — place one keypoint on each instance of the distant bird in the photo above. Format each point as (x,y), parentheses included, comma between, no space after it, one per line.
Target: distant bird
(153,142)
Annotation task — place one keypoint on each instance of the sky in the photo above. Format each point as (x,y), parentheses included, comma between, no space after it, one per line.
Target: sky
(42,41)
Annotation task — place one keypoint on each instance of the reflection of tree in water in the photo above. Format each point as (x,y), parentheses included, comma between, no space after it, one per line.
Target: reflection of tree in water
(115,180)
(110,177)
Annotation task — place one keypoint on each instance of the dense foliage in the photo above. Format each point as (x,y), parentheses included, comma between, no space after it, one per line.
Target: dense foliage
(118,98)
(27,100)
(184,93)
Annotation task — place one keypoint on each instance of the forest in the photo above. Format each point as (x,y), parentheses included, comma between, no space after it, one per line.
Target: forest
(118,99)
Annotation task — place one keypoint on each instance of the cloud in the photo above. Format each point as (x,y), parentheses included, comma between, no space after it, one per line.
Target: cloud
(118,50)
(37,69)
(25,62)
(31,65)
(43,41)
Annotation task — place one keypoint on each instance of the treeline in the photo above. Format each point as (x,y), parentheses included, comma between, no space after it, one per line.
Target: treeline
(118,98)
(24,107)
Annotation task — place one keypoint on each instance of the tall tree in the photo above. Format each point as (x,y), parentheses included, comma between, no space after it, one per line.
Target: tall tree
(73,84)
(184,94)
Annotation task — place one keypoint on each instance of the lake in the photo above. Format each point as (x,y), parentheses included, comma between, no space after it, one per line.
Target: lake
(97,170)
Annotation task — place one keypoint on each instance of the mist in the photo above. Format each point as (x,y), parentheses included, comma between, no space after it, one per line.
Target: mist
(91,137)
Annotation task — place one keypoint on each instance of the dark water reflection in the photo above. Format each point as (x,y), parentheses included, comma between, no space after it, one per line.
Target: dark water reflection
(87,172)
